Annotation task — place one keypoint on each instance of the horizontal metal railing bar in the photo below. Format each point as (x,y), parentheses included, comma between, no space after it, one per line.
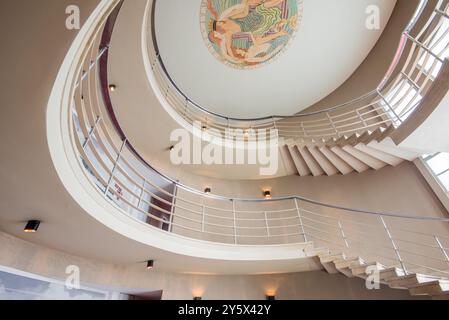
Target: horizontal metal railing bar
(341,219)
(427,268)
(127,178)
(320,222)
(417,232)
(422,256)
(154,46)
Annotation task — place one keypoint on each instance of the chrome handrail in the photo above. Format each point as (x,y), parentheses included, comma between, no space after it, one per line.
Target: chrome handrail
(136,190)
(379,111)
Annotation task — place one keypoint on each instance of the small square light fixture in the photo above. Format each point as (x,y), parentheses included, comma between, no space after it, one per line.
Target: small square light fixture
(207,190)
(150,264)
(197,298)
(267,194)
(271,298)
(112,87)
(32,226)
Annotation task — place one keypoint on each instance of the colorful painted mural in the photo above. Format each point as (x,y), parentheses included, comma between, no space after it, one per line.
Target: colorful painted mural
(248,33)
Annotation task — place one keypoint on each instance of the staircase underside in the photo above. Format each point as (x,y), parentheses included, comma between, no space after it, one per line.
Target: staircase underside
(356,153)
(417,284)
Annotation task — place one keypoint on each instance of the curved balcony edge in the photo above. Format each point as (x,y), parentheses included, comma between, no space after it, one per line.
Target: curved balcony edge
(74,178)
(311,220)
(386,106)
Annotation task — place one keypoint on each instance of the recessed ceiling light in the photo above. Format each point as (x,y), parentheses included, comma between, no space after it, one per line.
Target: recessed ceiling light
(32,226)
(267,194)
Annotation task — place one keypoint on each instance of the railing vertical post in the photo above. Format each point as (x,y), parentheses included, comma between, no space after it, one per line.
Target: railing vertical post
(172,210)
(332,124)
(141,193)
(389,107)
(266,224)
(343,234)
(441,248)
(395,247)
(235,221)
(301,225)
(274,123)
(361,118)
(115,167)
(304,130)
(91,132)
(203,219)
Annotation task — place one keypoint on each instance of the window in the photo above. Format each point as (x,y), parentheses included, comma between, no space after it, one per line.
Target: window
(438,46)
(439,166)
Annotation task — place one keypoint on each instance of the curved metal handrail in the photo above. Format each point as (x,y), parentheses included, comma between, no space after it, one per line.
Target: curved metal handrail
(415,18)
(179,184)
(136,190)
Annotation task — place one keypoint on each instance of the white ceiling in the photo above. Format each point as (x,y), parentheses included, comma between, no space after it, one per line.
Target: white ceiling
(332,41)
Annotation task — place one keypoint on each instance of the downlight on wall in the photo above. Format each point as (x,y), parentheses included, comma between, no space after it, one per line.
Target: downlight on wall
(32,226)
(267,194)
(112,87)
(207,190)
(150,264)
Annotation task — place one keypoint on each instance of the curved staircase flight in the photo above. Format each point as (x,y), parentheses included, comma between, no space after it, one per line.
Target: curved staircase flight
(356,153)
(418,284)
(355,136)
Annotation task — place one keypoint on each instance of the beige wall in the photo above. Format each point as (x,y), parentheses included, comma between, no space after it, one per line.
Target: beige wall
(24,256)
(401,190)
(370,73)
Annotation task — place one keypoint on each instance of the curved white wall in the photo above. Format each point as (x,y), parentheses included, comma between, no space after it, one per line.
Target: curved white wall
(331,42)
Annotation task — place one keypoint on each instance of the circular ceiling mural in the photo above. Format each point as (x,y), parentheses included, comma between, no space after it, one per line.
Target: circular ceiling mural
(249,33)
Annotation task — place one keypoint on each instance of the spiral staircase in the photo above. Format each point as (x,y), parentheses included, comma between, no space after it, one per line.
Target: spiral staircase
(406,252)
(355,136)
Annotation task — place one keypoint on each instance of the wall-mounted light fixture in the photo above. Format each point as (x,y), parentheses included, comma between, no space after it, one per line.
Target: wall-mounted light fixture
(197,298)
(267,194)
(150,264)
(207,190)
(112,87)
(271,298)
(32,226)
(171,148)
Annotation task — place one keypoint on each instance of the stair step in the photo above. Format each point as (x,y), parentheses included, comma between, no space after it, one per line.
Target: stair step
(409,281)
(299,162)
(339,163)
(361,270)
(331,257)
(388,146)
(312,252)
(365,158)
(386,133)
(344,265)
(431,288)
(287,159)
(355,163)
(380,155)
(324,162)
(311,162)
(389,273)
